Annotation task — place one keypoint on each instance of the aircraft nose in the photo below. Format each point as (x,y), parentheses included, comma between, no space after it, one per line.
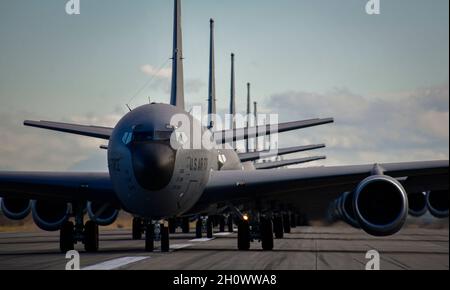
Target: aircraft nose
(153,164)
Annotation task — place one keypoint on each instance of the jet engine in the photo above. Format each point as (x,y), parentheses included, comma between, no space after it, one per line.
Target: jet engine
(16,208)
(417,204)
(381,205)
(50,215)
(437,203)
(348,213)
(102,214)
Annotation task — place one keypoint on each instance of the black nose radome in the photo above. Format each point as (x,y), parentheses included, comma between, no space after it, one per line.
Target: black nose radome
(153,164)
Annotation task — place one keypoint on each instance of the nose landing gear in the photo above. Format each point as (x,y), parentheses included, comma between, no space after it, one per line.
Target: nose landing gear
(156,232)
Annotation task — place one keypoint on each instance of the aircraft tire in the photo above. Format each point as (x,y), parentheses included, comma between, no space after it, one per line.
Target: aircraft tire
(172,226)
(266,234)
(165,241)
(222,224)
(243,236)
(278,226)
(287,224)
(230,224)
(66,237)
(91,237)
(198,229)
(185,226)
(209,228)
(137,229)
(149,237)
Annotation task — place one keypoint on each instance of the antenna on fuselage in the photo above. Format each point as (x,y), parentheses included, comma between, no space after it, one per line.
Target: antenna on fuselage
(177,90)
(212,110)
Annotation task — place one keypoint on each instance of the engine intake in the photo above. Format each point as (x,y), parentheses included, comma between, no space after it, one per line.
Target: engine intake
(16,208)
(381,205)
(417,204)
(50,215)
(437,203)
(102,214)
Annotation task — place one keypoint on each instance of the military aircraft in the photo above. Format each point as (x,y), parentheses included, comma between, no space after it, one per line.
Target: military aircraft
(155,175)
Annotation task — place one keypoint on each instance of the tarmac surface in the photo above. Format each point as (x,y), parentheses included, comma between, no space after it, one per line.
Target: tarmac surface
(306,248)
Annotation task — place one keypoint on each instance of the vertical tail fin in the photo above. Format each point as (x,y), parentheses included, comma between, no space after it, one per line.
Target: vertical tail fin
(249,111)
(233,95)
(212,80)
(255,104)
(177,91)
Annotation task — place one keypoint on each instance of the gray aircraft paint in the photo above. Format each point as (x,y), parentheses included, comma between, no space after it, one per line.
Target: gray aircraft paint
(187,183)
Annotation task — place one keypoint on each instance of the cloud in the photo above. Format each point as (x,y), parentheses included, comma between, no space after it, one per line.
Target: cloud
(396,127)
(164,73)
(162,78)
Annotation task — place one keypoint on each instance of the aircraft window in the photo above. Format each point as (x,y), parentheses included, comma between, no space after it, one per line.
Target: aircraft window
(152,136)
(142,136)
(163,135)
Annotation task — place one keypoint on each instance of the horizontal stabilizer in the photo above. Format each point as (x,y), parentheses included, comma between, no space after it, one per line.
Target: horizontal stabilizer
(252,156)
(279,164)
(228,136)
(90,131)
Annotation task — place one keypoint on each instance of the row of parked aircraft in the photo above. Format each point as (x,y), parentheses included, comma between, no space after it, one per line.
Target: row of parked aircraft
(151,176)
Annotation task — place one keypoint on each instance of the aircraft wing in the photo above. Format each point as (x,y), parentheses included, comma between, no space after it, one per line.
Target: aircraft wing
(284,163)
(90,131)
(229,186)
(58,186)
(252,156)
(228,136)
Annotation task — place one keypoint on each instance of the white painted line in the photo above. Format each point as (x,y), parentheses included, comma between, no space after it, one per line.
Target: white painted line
(222,234)
(179,246)
(201,240)
(115,264)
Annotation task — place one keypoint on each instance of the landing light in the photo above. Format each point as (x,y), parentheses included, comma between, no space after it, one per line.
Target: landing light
(245,217)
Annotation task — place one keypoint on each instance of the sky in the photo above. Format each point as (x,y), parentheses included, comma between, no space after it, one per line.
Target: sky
(384,78)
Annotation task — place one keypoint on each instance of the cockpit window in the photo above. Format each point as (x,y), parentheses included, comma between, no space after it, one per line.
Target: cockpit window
(152,136)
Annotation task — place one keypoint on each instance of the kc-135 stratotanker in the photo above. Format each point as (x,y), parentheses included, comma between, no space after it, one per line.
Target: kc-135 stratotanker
(155,181)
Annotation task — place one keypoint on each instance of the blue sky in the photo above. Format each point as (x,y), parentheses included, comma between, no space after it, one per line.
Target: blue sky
(86,67)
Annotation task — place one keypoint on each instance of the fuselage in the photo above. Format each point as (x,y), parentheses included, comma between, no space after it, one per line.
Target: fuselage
(157,165)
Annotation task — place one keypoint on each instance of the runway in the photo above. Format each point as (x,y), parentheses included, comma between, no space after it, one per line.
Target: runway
(308,248)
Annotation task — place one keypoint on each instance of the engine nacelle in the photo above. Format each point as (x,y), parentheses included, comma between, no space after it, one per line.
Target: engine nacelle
(50,215)
(348,213)
(102,214)
(437,203)
(417,204)
(381,205)
(16,208)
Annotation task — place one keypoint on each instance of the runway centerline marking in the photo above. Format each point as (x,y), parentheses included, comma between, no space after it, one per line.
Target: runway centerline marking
(115,264)
(180,246)
(201,240)
(222,234)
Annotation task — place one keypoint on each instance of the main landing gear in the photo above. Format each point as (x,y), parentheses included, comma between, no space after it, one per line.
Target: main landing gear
(260,228)
(204,224)
(72,233)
